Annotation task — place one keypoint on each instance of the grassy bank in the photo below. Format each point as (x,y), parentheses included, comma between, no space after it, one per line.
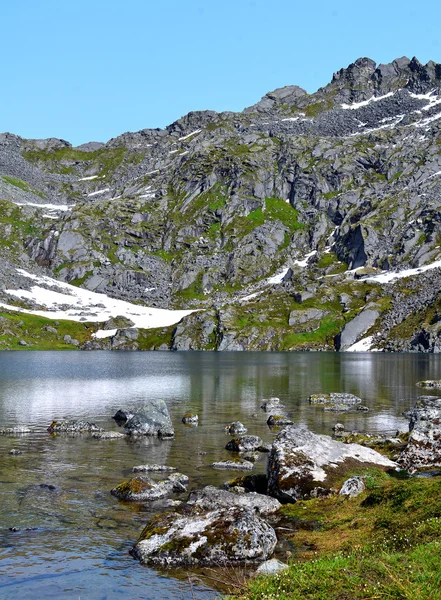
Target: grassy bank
(383,544)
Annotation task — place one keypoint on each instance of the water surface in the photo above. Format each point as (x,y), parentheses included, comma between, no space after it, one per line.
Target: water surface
(78,536)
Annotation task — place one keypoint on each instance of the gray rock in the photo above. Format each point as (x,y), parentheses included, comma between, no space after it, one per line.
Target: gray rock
(190,419)
(210,498)
(353,487)
(429,383)
(244,443)
(271,567)
(108,435)
(300,460)
(337,402)
(152,419)
(122,415)
(142,488)
(73,427)
(210,538)
(278,421)
(235,428)
(423,450)
(15,452)
(271,405)
(242,465)
(154,468)
(355,329)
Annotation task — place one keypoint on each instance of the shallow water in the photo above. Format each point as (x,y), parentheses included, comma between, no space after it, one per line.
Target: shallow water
(79,535)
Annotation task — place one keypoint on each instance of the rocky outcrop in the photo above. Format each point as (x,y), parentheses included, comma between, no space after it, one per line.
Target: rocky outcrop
(301,460)
(423,450)
(152,419)
(191,535)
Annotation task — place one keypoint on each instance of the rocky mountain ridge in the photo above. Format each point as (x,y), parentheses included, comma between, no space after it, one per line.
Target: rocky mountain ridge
(280,226)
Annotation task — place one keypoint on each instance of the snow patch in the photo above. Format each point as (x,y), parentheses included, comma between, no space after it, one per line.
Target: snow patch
(104,333)
(388,276)
(277,278)
(98,192)
(88,178)
(62,207)
(357,105)
(363,345)
(185,137)
(64,301)
(304,261)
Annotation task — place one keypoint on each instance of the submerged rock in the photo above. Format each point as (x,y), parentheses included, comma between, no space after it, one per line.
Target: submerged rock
(15,430)
(337,401)
(429,383)
(154,468)
(271,405)
(300,459)
(278,421)
(140,489)
(242,465)
(108,435)
(235,428)
(191,536)
(423,450)
(190,419)
(244,443)
(73,427)
(152,419)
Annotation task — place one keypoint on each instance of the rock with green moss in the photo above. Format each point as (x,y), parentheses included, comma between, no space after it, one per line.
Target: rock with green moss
(244,443)
(142,488)
(191,535)
(278,421)
(72,426)
(301,460)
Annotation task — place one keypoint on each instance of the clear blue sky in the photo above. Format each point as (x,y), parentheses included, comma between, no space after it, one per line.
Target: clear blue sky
(90,70)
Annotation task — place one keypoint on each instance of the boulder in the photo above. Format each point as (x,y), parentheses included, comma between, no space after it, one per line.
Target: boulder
(336,401)
(235,428)
(154,468)
(423,450)
(189,535)
(271,405)
(190,419)
(140,489)
(108,435)
(152,419)
(271,567)
(429,383)
(244,443)
(73,427)
(300,460)
(278,421)
(241,465)
(122,415)
(211,498)
(353,487)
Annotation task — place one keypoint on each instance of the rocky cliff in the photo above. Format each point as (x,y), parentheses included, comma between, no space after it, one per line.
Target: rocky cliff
(308,221)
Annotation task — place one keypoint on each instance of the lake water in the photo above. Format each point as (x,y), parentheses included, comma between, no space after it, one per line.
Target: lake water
(79,536)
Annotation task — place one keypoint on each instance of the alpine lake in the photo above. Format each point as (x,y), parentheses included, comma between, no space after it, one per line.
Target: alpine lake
(63,535)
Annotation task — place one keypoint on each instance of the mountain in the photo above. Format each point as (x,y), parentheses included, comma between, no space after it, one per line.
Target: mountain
(308,221)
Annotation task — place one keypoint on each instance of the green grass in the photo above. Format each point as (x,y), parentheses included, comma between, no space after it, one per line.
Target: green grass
(22,185)
(383,544)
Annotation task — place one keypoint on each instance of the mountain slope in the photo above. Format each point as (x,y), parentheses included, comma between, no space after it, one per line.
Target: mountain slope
(323,191)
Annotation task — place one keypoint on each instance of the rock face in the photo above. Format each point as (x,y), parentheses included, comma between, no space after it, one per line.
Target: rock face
(256,220)
(152,419)
(301,460)
(423,450)
(140,489)
(191,536)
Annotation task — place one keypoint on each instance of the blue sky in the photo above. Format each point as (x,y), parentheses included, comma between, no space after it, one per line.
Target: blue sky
(90,70)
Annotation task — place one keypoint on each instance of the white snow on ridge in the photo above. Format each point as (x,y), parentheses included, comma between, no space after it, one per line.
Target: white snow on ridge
(104,333)
(98,192)
(357,105)
(277,278)
(88,178)
(433,100)
(185,137)
(304,261)
(87,306)
(62,207)
(388,276)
